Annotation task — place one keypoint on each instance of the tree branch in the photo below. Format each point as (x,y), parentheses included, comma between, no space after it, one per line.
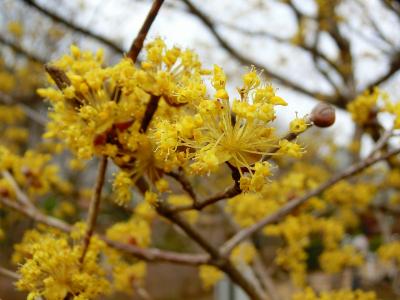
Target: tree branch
(293,204)
(233,190)
(94,206)
(246,61)
(394,67)
(29,112)
(137,43)
(185,184)
(216,259)
(74,27)
(21,51)
(10,274)
(147,254)
(151,109)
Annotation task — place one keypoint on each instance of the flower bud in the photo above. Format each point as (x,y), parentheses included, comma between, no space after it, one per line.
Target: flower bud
(323,115)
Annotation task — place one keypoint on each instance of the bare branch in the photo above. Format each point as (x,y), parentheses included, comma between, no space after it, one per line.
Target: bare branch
(246,61)
(185,184)
(261,33)
(74,27)
(19,50)
(147,254)
(293,204)
(35,214)
(137,43)
(94,205)
(31,113)
(374,25)
(151,109)
(10,274)
(21,196)
(218,260)
(393,69)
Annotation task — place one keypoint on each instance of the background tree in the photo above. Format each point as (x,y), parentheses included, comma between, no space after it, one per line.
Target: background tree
(336,52)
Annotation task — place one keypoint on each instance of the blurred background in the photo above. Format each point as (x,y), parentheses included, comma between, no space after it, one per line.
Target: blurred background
(311,50)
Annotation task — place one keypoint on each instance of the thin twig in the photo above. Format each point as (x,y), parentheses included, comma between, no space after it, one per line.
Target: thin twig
(293,204)
(185,184)
(8,273)
(147,254)
(232,191)
(265,278)
(29,112)
(74,27)
(94,205)
(137,43)
(382,142)
(133,54)
(219,261)
(21,51)
(246,61)
(151,109)
(21,196)
(374,25)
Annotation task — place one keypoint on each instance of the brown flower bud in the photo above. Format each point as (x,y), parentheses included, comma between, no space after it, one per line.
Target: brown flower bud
(323,115)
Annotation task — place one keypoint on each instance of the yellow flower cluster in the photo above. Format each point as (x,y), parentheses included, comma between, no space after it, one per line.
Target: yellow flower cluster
(33,172)
(349,199)
(51,268)
(390,252)
(309,294)
(342,258)
(124,274)
(7,82)
(105,111)
(122,186)
(12,118)
(244,253)
(248,208)
(216,132)
(177,200)
(51,265)
(15,28)
(210,275)
(102,110)
(364,106)
(296,232)
(135,231)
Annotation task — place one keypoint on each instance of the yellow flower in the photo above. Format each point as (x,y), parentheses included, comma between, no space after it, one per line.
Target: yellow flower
(362,108)
(248,208)
(52,270)
(390,251)
(243,253)
(33,171)
(7,83)
(334,261)
(135,231)
(125,275)
(15,28)
(290,148)
(177,200)
(298,125)
(122,186)
(239,134)
(209,276)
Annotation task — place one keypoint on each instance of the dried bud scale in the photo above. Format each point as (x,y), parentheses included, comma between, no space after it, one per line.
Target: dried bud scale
(323,115)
